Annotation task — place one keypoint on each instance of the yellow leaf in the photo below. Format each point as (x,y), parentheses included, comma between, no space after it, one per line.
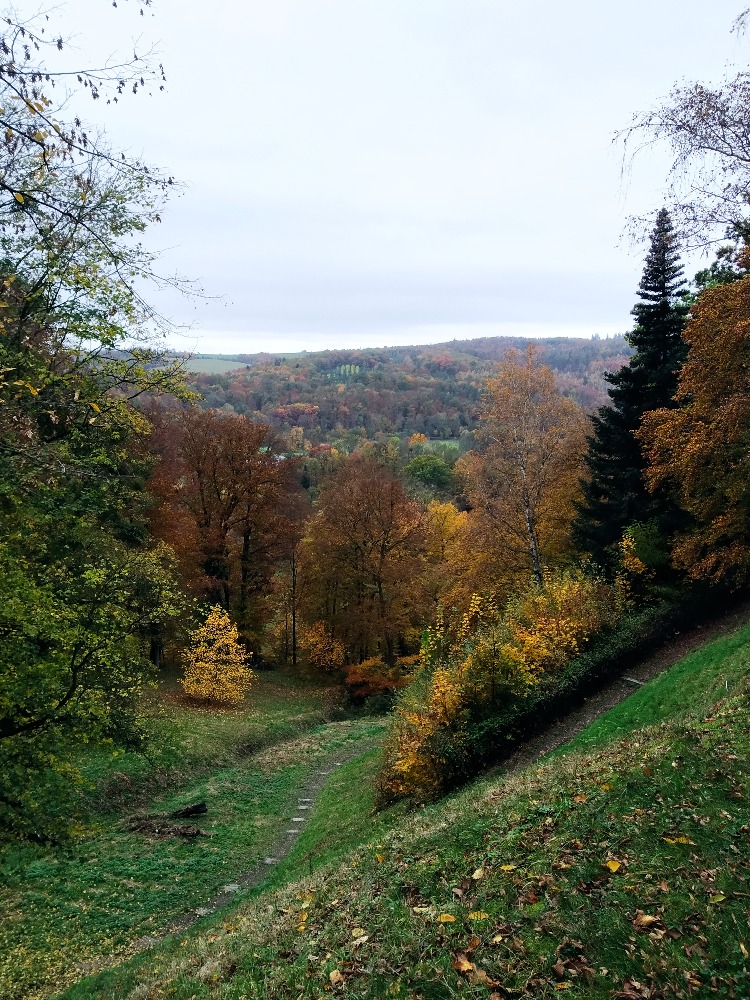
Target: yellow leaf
(380,858)
(718,898)
(19,197)
(479,873)
(95,407)
(461,963)
(678,840)
(508,868)
(446,918)
(563,986)
(358,931)
(605,787)
(744,950)
(613,865)
(478,915)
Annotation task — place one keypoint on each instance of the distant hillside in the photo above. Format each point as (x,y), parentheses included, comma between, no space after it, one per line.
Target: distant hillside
(435,389)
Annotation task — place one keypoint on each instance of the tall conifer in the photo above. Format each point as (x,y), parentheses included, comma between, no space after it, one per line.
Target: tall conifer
(615,496)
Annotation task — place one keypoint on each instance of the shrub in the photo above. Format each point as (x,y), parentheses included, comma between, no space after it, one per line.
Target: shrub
(490,664)
(373,678)
(215,664)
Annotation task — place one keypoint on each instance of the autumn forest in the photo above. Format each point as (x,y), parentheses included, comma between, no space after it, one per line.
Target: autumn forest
(456,543)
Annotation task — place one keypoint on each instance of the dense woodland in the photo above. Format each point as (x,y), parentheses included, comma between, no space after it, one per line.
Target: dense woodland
(342,397)
(315,512)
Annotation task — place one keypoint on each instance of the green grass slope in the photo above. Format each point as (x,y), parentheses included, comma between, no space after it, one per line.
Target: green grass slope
(619,867)
(70,909)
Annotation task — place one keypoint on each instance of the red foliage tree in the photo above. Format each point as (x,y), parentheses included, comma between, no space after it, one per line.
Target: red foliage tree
(227,500)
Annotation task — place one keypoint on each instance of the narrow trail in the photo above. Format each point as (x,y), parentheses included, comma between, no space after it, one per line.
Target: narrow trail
(283,845)
(564,729)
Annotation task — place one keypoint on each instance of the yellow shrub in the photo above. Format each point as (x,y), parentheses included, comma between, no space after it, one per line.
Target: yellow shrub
(215,664)
(322,649)
(489,656)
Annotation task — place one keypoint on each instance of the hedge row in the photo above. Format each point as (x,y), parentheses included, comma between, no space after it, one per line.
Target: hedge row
(488,738)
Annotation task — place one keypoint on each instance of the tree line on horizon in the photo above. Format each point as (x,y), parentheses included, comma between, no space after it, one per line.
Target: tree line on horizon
(343,397)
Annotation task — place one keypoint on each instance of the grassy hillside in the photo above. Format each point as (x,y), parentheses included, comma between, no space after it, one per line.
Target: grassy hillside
(97,895)
(618,867)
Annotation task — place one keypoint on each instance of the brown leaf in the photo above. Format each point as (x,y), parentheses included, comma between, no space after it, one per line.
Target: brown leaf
(480,976)
(559,969)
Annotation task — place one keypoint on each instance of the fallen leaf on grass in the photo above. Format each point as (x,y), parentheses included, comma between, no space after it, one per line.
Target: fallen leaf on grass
(645,921)
(358,942)
(336,978)
(358,931)
(480,976)
(633,990)
(479,873)
(719,897)
(461,963)
(508,868)
(478,915)
(613,865)
(678,840)
(446,918)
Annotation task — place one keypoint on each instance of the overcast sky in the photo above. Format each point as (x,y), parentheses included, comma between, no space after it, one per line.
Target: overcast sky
(373,172)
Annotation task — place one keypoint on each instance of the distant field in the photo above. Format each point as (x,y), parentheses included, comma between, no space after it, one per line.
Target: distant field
(212,366)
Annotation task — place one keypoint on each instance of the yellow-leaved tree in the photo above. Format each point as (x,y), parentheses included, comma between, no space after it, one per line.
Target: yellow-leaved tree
(216,664)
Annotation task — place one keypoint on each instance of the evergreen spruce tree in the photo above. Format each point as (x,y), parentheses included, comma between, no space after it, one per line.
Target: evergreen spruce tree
(615,497)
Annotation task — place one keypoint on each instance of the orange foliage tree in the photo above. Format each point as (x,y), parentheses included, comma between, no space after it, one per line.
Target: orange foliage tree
(226,500)
(364,559)
(523,483)
(703,447)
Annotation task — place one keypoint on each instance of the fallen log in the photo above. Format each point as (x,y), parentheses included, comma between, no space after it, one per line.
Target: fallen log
(196,809)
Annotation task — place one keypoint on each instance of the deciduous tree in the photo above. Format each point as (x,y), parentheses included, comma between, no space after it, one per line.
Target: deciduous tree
(701,449)
(523,482)
(215,663)
(235,497)
(364,559)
